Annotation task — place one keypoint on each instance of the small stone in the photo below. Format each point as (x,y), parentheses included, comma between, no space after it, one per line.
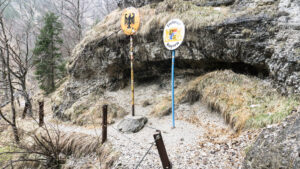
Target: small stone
(203,154)
(146,103)
(205,161)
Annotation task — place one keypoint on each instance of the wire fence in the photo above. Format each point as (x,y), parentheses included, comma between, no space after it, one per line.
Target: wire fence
(148,151)
(120,135)
(116,135)
(117,138)
(140,146)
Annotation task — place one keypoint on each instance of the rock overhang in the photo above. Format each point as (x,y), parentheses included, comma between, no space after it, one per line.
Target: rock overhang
(247,39)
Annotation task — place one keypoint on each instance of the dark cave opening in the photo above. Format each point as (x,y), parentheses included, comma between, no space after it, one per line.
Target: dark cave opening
(151,71)
(260,71)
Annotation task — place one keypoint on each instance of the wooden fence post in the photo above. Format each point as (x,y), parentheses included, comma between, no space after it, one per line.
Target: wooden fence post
(162,150)
(104,123)
(41,113)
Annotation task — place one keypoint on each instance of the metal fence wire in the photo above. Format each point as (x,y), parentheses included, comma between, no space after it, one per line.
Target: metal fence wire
(148,151)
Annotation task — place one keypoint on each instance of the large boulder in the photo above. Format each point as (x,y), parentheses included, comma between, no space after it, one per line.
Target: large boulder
(132,124)
(277,146)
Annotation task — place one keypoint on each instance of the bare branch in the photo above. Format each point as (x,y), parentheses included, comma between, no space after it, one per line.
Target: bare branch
(9,122)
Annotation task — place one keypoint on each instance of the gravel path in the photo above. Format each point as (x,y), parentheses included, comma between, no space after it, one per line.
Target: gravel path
(201,138)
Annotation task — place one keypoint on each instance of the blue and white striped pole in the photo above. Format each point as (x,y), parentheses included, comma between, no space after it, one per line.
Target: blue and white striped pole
(173,111)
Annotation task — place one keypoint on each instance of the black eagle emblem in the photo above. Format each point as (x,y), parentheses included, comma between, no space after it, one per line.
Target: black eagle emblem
(129,19)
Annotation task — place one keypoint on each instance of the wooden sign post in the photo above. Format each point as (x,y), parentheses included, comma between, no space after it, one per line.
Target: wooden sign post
(173,37)
(130,23)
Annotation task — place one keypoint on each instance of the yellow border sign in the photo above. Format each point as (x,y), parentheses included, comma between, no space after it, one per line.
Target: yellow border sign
(130,21)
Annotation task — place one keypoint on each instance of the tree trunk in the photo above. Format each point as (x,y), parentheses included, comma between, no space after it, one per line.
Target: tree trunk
(12,100)
(78,21)
(26,98)
(16,133)
(52,65)
(52,77)
(25,110)
(3,76)
(28,102)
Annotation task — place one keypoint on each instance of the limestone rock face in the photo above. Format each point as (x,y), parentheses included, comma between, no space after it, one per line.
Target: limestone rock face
(260,38)
(276,147)
(263,44)
(284,65)
(132,124)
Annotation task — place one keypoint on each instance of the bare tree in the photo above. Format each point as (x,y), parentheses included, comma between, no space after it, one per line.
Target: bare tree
(104,7)
(73,14)
(6,60)
(16,62)
(80,15)
(74,11)
(21,57)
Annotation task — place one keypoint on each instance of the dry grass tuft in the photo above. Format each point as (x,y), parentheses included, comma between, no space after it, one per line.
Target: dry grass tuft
(103,160)
(193,16)
(78,144)
(108,156)
(85,149)
(163,108)
(88,111)
(51,138)
(244,102)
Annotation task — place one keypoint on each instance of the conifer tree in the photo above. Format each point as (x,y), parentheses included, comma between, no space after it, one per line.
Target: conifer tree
(47,56)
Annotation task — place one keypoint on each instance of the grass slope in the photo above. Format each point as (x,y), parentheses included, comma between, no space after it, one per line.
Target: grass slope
(245,102)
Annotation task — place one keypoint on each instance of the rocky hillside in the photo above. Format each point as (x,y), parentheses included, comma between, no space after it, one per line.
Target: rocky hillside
(277,146)
(259,38)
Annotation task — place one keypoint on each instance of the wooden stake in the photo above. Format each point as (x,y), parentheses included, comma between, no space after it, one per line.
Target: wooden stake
(104,123)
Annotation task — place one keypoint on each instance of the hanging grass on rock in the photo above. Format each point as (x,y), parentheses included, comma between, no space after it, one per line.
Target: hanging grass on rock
(153,19)
(244,102)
